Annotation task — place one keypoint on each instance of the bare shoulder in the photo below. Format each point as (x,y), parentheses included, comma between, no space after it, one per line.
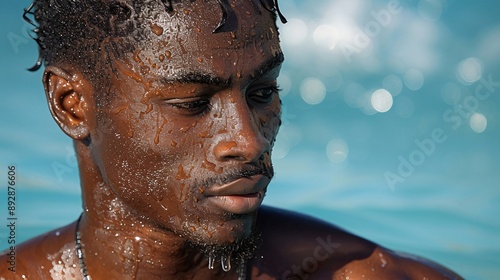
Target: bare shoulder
(43,257)
(387,264)
(297,246)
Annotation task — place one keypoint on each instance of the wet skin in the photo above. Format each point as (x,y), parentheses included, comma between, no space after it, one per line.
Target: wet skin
(295,247)
(180,149)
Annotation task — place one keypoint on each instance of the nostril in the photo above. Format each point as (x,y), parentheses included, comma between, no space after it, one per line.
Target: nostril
(248,151)
(226,150)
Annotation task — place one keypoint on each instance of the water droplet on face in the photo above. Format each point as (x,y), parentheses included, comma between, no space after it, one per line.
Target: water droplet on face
(168,54)
(211,166)
(205,134)
(136,57)
(181,174)
(158,30)
(225,261)
(158,131)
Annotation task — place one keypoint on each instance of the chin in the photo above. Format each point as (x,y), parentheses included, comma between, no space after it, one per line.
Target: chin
(226,231)
(235,239)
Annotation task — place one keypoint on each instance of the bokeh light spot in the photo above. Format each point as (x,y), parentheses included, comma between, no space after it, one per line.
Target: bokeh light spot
(470,70)
(324,36)
(414,79)
(337,151)
(393,84)
(285,84)
(312,91)
(430,9)
(381,100)
(478,122)
(281,147)
(295,32)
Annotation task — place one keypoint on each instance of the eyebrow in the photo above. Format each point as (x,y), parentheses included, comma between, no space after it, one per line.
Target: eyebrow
(199,78)
(269,65)
(194,77)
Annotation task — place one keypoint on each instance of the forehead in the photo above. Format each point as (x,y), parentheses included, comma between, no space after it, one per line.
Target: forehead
(215,17)
(184,40)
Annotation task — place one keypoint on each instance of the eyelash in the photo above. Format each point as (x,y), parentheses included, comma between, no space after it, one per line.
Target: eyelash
(195,107)
(270,92)
(201,106)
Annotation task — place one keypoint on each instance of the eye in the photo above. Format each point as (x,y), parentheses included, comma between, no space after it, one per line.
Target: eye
(264,95)
(189,106)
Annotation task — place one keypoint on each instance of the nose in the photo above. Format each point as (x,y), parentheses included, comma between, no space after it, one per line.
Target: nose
(244,138)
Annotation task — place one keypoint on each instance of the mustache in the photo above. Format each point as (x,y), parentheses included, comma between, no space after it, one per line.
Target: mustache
(232,175)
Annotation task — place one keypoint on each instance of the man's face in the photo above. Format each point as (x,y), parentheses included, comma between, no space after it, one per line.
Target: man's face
(187,136)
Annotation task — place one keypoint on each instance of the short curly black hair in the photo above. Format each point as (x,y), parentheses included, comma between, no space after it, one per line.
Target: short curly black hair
(86,33)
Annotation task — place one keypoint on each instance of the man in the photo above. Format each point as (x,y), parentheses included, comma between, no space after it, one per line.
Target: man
(173,108)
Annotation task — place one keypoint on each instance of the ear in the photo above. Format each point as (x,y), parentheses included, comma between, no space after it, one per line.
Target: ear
(67,100)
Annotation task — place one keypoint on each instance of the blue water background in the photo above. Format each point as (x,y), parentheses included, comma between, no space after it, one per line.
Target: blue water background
(334,151)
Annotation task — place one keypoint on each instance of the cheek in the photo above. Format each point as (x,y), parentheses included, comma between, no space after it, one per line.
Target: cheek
(135,154)
(150,168)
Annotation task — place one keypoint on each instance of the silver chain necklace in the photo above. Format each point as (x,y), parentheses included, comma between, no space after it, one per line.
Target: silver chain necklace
(86,276)
(79,251)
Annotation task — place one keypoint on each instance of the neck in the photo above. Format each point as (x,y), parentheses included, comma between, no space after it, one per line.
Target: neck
(119,243)
(135,249)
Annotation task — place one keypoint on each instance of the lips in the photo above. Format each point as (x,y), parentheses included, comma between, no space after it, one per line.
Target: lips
(240,196)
